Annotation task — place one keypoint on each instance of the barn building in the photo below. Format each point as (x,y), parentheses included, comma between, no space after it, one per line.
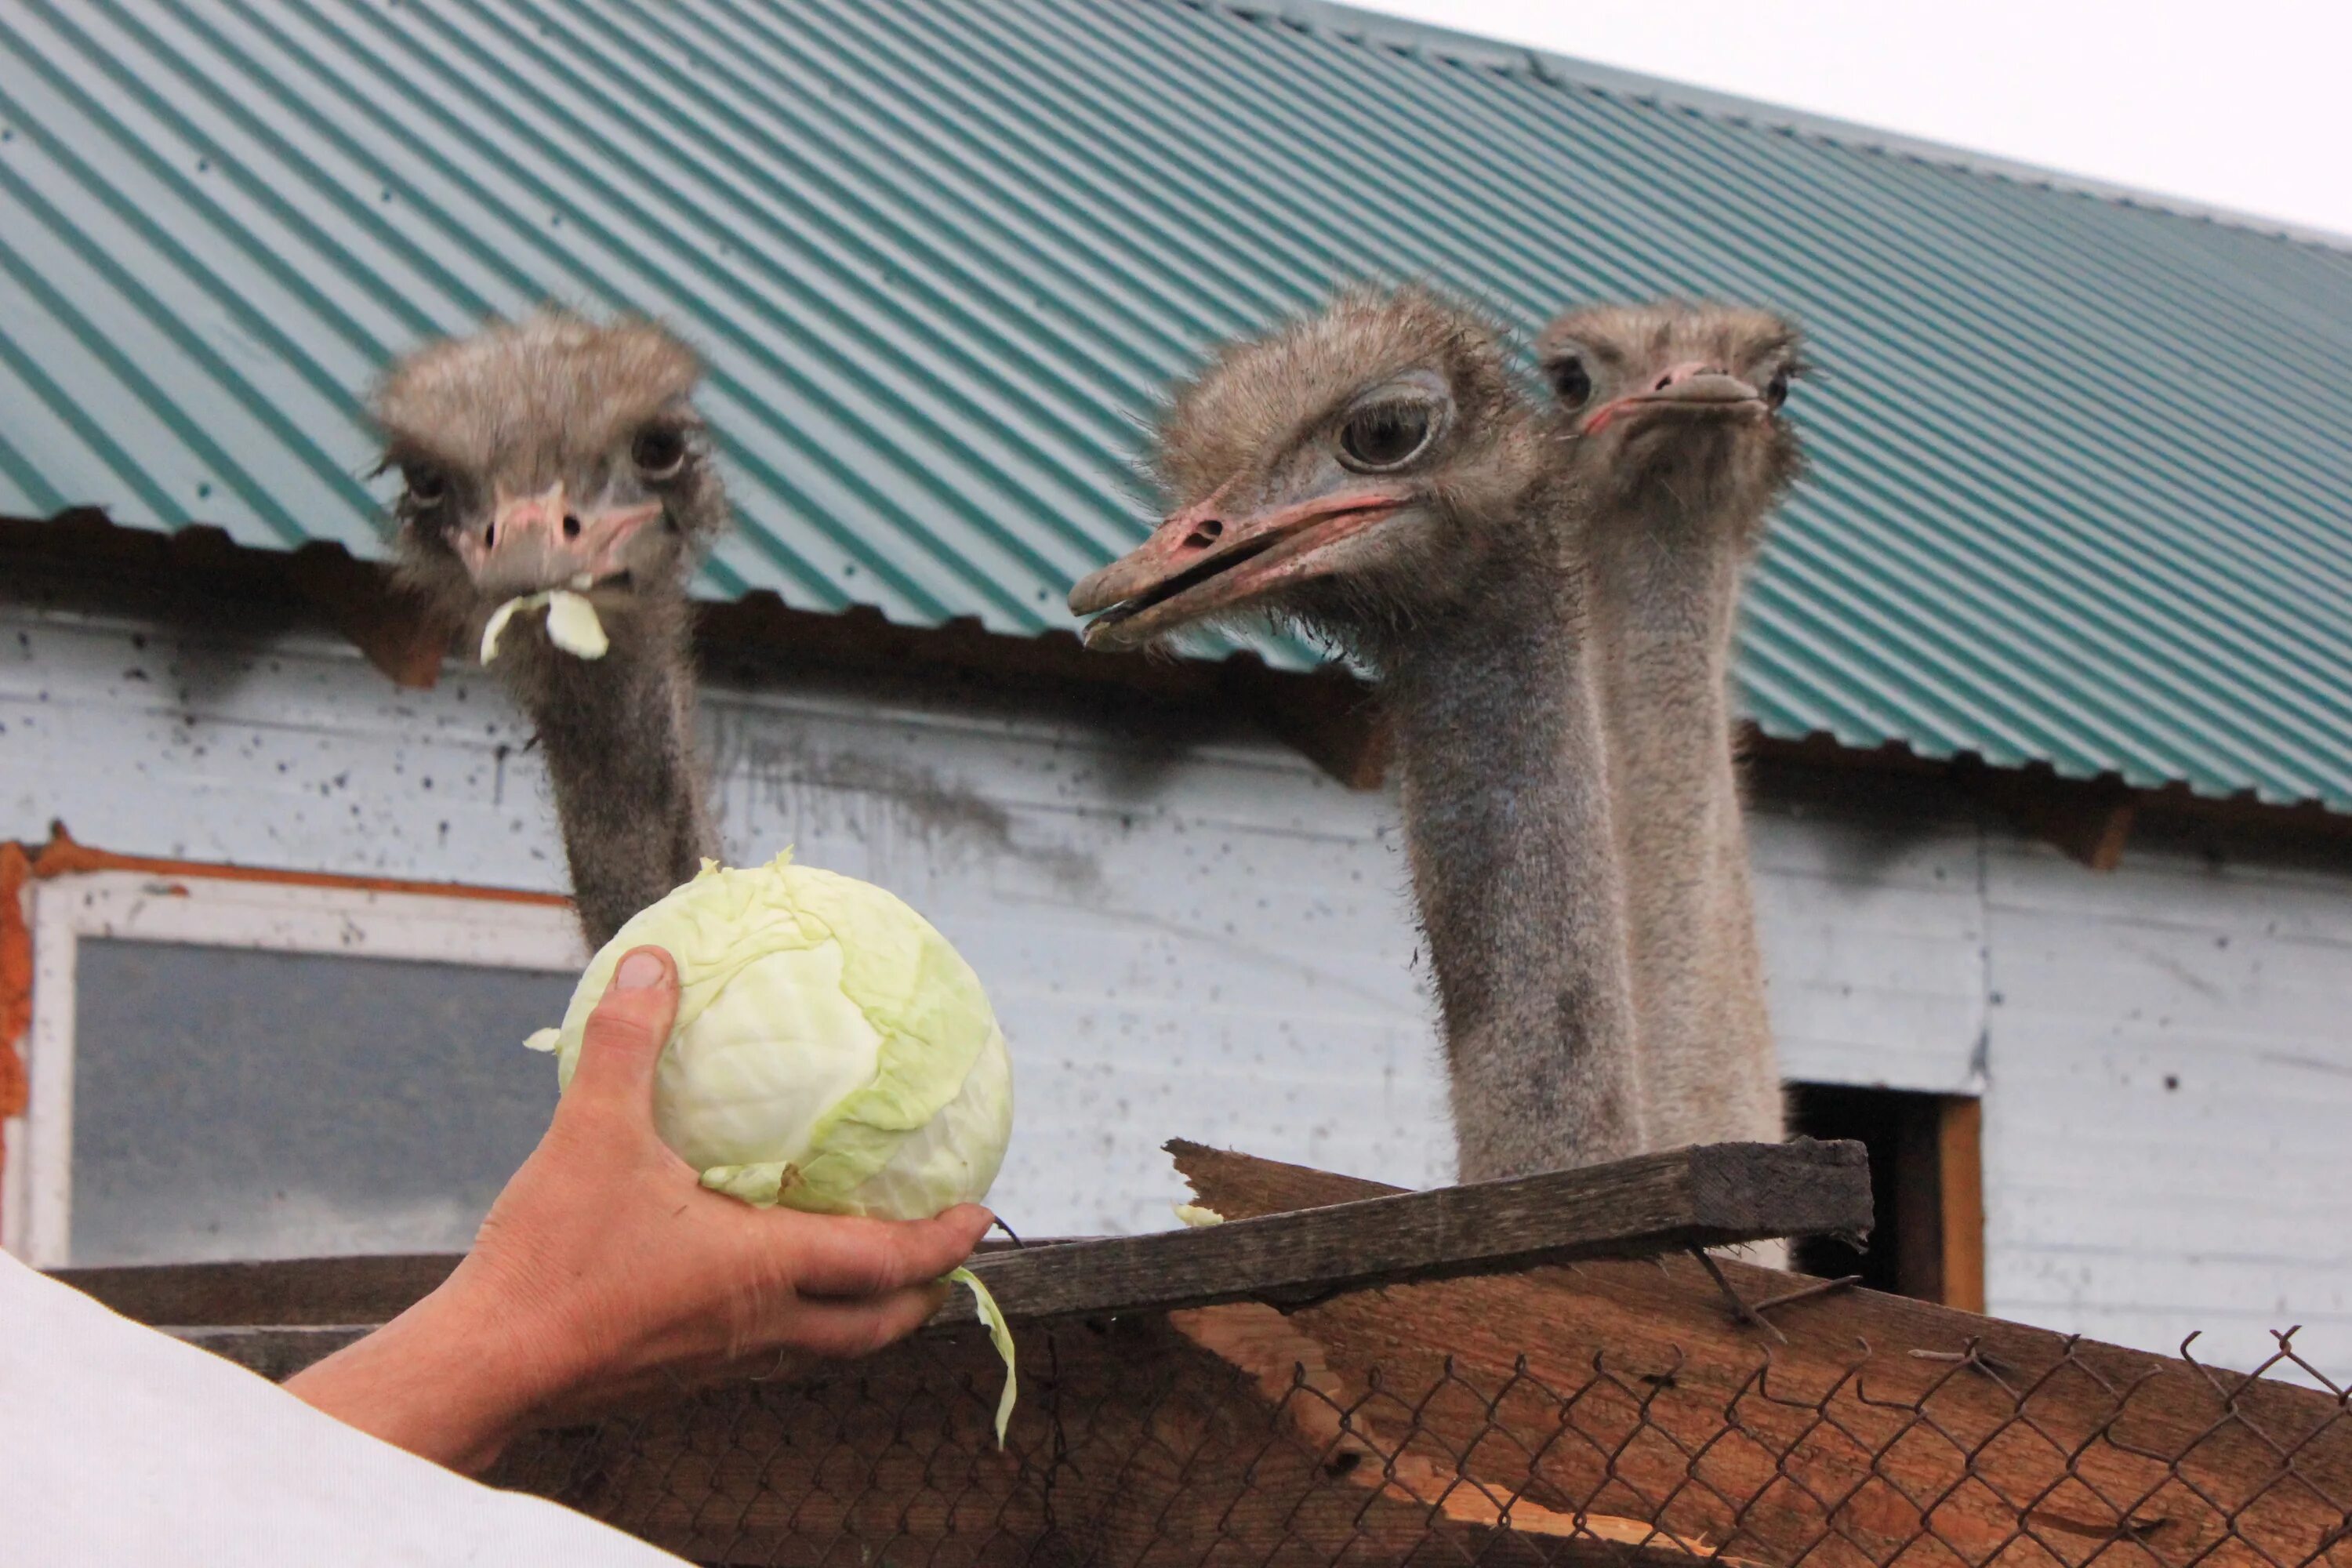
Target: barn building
(2049,660)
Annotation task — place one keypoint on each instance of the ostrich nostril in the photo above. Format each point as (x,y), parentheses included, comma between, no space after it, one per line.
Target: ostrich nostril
(1204,535)
(489,536)
(571,525)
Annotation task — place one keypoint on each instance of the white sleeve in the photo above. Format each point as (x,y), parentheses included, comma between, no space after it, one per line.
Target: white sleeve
(119,1444)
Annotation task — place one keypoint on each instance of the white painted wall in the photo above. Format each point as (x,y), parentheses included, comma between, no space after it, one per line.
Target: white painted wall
(1210,943)
(2170,1120)
(1212,940)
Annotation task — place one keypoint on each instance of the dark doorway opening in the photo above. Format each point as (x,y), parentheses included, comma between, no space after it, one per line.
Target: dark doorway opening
(1926,1188)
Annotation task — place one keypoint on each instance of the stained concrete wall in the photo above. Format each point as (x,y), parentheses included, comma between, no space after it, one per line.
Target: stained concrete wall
(1200,934)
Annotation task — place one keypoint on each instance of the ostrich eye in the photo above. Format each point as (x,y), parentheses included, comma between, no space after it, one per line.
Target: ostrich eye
(1776,391)
(1386,435)
(660,451)
(427,486)
(1570,382)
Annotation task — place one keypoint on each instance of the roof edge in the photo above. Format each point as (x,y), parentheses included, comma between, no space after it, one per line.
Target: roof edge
(84,561)
(1355,24)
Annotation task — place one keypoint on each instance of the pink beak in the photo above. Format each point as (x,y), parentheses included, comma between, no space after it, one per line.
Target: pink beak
(1691,388)
(542,542)
(1205,558)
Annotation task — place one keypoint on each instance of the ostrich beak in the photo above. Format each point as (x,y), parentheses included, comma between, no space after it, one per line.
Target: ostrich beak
(537,542)
(1207,558)
(1687,390)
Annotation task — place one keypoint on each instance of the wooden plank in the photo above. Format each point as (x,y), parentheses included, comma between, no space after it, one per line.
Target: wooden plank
(397,630)
(276,1352)
(280,1293)
(2090,822)
(1686,1198)
(1852,1428)
(1358,1439)
(1134,1446)
(1329,717)
(1707,1197)
(1959,1138)
(294,1291)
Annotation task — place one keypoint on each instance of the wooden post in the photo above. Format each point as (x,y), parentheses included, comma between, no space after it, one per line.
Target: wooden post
(1959,1180)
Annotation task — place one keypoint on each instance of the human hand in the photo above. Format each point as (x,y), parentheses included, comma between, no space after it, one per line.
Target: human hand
(606,1267)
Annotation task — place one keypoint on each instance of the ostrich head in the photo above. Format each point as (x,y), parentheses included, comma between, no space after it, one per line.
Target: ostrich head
(549,453)
(1348,471)
(1682,403)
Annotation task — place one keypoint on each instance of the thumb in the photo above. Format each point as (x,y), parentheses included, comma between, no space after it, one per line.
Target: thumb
(624,1035)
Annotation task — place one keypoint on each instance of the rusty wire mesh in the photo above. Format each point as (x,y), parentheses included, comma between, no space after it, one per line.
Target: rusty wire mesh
(1230,1437)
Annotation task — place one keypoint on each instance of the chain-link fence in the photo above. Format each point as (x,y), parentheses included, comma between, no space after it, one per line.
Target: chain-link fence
(1236,1436)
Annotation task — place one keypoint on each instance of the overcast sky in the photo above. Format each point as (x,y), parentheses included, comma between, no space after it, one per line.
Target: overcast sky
(2238,103)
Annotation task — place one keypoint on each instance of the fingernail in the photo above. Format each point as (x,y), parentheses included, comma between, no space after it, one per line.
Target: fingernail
(639,971)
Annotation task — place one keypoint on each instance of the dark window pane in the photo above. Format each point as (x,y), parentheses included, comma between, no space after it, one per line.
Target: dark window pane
(230,1103)
(1901,1130)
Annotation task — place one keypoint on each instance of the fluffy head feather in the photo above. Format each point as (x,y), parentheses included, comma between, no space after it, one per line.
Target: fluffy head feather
(1258,398)
(1732,459)
(517,408)
(1270,461)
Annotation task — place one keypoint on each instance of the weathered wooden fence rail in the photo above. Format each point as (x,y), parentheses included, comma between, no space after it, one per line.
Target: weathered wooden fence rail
(1538,1370)
(274,1316)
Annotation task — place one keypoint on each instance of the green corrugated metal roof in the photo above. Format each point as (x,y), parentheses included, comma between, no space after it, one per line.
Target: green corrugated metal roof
(2082,464)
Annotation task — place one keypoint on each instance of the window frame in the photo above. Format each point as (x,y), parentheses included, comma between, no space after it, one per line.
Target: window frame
(374,921)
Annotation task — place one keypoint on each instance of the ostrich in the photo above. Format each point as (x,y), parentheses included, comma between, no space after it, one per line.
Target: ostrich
(559,454)
(1676,436)
(1373,474)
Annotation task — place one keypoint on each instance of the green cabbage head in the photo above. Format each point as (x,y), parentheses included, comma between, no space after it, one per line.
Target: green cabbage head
(831,1052)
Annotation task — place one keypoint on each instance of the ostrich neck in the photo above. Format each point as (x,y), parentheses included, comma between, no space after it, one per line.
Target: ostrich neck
(618,736)
(1508,825)
(1666,591)
(1666,588)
